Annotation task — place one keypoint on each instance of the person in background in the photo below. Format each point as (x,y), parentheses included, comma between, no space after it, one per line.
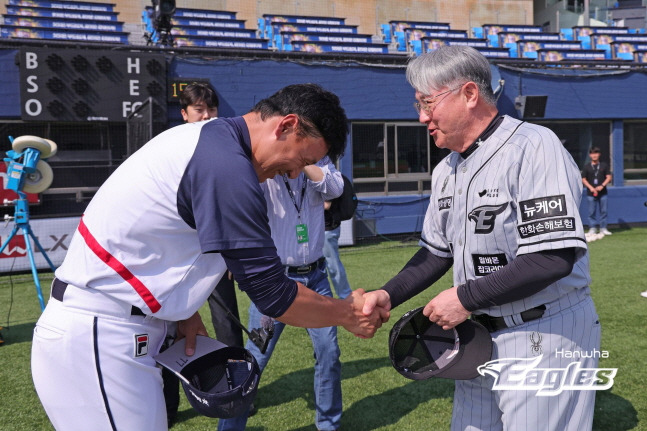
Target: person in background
(199,102)
(333,216)
(596,177)
(296,214)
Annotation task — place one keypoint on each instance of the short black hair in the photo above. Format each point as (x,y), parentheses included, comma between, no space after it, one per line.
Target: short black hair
(319,111)
(197,92)
(594,150)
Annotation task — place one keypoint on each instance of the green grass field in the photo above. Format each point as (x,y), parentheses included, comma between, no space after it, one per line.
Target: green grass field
(376,397)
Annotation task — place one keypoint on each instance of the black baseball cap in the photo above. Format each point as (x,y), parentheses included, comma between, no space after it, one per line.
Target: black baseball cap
(219,381)
(420,349)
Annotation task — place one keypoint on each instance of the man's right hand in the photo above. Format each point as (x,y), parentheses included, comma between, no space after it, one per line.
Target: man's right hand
(366,323)
(376,299)
(311,310)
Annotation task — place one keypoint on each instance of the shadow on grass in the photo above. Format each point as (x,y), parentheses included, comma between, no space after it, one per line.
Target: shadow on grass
(613,413)
(18,333)
(389,407)
(298,384)
(369,412)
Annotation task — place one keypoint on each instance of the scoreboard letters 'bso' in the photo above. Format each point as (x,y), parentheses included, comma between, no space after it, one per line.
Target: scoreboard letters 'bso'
(90,85)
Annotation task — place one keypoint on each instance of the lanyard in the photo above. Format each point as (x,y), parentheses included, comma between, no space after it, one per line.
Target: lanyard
(291,193)
(596,170)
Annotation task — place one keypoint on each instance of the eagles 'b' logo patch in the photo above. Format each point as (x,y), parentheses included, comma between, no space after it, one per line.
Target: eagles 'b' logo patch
(485,216)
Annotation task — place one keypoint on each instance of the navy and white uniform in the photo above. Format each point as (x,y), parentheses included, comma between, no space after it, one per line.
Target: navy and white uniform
(145,252)
(517,193)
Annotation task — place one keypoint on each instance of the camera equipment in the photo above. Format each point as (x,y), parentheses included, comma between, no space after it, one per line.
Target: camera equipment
(159,23)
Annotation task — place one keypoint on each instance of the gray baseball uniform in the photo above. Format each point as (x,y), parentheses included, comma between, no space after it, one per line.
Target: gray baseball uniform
(518,193)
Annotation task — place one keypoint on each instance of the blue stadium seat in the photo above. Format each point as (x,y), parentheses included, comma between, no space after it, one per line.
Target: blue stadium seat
(477,33)
(386,31)
(416,46)
(567,33)
(402,41)
(586,41)
(493,39)
(607,50)
(261,26)
(513,49)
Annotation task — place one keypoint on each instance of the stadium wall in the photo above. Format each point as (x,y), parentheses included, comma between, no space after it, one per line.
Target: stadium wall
(379,92)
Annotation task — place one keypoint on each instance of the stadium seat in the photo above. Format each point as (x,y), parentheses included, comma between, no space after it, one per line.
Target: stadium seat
(402,44)
(567,33)
(513,49)
(386,32)
(416,46)
(586,41)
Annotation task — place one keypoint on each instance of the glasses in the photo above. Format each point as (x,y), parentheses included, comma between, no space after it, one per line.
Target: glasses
(428,105)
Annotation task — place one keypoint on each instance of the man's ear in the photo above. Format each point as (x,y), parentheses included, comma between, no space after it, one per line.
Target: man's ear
(185,115)
(286,125)
(471,91)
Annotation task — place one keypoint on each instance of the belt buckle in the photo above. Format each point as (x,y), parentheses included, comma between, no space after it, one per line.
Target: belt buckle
(301,270)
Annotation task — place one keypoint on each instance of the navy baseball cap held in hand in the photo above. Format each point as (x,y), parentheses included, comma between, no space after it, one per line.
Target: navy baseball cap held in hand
(219,381)
(420,349)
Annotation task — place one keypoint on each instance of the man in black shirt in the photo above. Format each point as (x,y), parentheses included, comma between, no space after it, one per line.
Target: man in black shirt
(595,178)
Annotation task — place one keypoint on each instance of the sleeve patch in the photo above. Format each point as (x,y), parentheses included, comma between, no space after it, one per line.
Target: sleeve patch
(444,203)
(546,226)
(549,206)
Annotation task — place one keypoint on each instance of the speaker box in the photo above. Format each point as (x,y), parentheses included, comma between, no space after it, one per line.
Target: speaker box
(531,106)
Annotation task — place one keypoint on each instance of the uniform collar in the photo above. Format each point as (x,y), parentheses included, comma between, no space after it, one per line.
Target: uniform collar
(489,130)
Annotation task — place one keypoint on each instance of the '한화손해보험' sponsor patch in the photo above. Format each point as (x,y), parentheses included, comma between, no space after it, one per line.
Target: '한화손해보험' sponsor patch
(546,226)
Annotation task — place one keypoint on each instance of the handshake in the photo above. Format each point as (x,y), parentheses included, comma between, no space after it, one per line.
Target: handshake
(370,310)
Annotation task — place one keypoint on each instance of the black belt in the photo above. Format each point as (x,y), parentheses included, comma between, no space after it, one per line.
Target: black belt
(494,324)
(58,290)
(306,269)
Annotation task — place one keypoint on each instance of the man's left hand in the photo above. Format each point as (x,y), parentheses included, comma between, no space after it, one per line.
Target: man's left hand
(446,309)
(189,328)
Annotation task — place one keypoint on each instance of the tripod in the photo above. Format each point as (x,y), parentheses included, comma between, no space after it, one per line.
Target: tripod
(26,173)
(21,217)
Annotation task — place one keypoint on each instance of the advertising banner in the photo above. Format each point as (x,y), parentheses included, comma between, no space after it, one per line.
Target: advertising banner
(53,234)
